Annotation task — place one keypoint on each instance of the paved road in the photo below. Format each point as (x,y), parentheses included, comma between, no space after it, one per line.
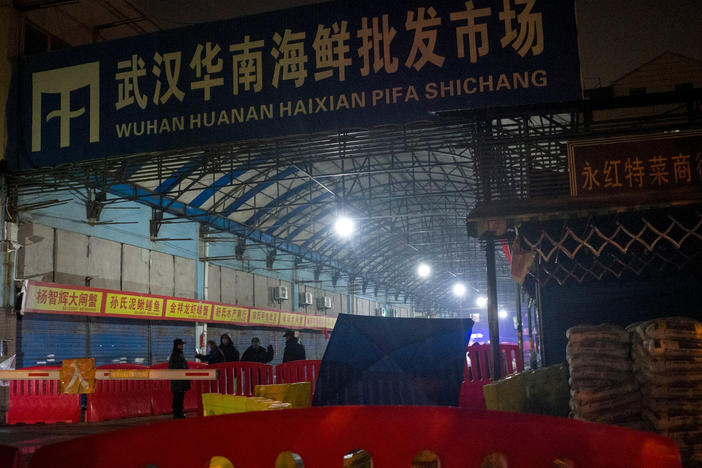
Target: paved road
(28,437)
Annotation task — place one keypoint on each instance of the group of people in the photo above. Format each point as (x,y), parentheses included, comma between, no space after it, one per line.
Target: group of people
(226,352)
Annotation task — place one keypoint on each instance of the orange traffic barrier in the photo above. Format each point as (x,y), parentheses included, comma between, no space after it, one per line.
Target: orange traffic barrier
(478,371)
(162,398)
(238,378)
(117,399)
(322,437)
(41,401)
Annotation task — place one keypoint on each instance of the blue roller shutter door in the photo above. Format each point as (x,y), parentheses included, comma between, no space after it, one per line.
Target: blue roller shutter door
(44,335)
(162,335)
(117,340)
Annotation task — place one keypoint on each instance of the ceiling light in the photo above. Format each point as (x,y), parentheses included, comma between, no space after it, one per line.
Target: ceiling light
(423,270)
(502,314)
(458,289)
(481,301)
(344,227)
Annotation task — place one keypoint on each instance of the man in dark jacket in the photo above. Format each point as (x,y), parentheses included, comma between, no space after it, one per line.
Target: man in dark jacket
(178,387)
(294,351)
(231,354)
(214,354)
(257,353)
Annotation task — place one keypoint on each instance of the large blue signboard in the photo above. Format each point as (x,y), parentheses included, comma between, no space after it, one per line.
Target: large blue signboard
(316,68)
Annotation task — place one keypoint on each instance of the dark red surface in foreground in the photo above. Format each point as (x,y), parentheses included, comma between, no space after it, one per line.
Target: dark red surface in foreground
(392,436)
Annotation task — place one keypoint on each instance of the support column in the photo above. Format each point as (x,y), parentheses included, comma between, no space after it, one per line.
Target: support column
(201,291)
(8,316)
(295,292)
(539,316)
(520,327)
(532,344)
(493,321)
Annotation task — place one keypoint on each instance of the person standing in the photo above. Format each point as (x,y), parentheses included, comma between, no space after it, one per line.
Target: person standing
(231,354)
(257,353)
(214,354)
(294,351)
(178,387)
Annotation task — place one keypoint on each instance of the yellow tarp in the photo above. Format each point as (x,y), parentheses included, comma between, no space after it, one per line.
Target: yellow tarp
(215,404)
(299,395)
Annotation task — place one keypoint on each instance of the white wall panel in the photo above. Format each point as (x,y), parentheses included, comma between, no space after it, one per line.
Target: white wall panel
(184,277)
(71,258)
(213,283)
(161,274)
(362,306)
(336,304)
(261,296)
(104,264)
(228,282)
(135,269)
(344,304)
(36,257)
(244,288)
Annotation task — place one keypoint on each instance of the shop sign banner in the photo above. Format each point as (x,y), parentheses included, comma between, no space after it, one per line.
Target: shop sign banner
(292,320)
(230,314)
(54,299)
(670,162)
(264,317)
(75,300)
(315,321)
(133,305)
(309,69)
(188,310)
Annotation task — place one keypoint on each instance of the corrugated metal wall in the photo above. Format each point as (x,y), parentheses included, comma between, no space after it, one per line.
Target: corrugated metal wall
(43,335)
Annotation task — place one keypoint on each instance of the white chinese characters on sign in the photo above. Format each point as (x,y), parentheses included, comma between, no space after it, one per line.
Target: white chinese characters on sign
(211,65)
(127,77)
(372,38)
(332,51)
(171,63)
(424,39)
(475,33)
(290,58)
(531,32)
(295,56)
(247,65)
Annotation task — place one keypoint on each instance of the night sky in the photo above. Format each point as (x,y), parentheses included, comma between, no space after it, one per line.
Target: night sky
(616,36)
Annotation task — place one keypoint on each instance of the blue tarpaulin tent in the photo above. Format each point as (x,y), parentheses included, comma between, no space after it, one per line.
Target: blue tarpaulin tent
(393,361)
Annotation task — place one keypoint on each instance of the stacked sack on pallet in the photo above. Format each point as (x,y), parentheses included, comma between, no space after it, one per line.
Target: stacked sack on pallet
(602,384)
(667,356)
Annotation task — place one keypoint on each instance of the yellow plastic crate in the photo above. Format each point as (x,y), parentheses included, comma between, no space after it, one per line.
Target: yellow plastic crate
(215,404)
(299,395)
